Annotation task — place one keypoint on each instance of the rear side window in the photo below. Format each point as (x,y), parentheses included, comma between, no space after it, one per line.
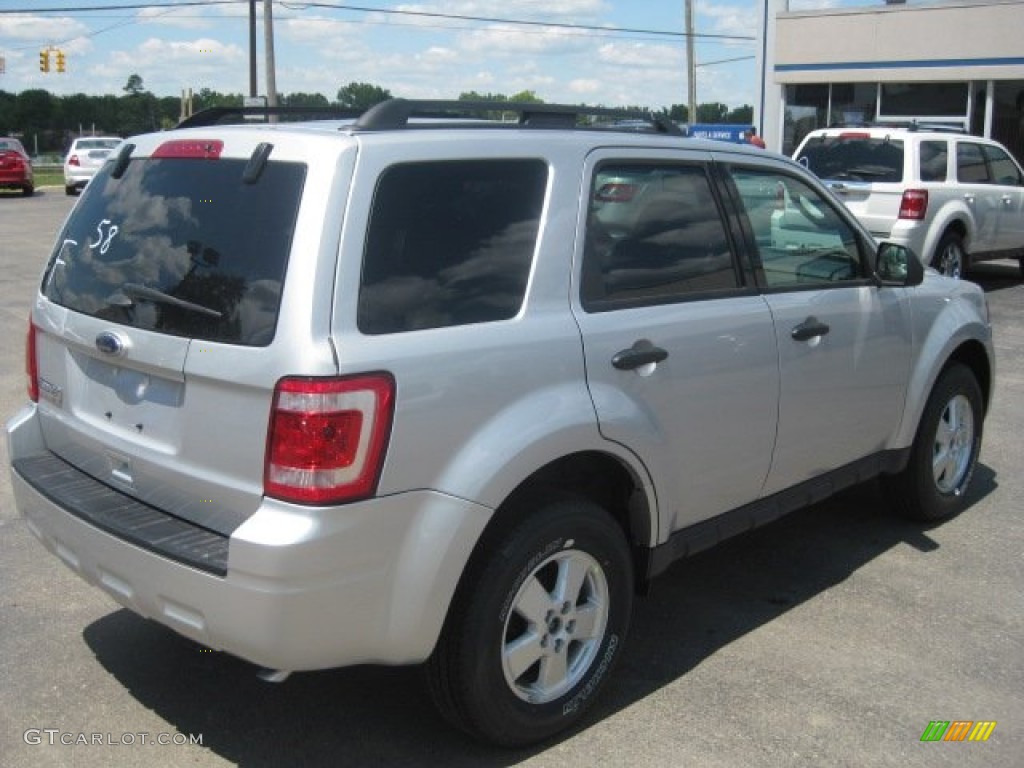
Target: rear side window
(934,156)
(450,243)
(970,164)
(854,156)
(180,246)
(654,236)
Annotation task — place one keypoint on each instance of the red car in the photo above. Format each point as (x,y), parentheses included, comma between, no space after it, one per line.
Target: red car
(15,167)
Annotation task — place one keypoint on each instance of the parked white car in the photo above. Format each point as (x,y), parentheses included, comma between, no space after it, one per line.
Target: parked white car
(952,198)
(84,157)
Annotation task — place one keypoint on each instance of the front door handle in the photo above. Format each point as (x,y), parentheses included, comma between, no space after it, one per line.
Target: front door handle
(969,198)
(641,353)
(808,329)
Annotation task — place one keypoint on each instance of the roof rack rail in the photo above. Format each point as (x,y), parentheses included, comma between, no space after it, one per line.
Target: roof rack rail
(910,125)
(396,113)
(219,115)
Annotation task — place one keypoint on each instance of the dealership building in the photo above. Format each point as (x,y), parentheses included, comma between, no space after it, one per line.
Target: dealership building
(959,62)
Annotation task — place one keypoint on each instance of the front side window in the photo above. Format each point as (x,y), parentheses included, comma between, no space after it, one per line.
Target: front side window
(801,239)
(450,243)
(181,246)
(654,235)
(1002,168)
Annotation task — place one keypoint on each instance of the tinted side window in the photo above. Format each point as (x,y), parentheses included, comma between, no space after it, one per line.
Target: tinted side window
(970,164)
(450,243)
(933,158)
(1004,170)
(801,239)
(654,235)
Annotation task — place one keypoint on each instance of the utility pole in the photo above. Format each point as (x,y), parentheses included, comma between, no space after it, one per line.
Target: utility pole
(253,90)
(691,67)
(268,45)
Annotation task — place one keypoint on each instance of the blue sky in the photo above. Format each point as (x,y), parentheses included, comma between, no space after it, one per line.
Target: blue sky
(319,49)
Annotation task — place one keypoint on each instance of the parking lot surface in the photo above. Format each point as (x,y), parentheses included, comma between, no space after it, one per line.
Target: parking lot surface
(833,637)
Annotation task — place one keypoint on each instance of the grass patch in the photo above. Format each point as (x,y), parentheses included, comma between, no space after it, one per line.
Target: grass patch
(48,177)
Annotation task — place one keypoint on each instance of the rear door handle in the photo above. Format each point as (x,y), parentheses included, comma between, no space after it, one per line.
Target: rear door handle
(808,329)
(641,353)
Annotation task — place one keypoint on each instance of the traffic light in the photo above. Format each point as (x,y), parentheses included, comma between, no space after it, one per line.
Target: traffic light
(60,61)
(44,61)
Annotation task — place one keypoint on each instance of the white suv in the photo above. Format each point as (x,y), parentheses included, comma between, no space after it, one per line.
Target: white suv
(952,198)
(391,391)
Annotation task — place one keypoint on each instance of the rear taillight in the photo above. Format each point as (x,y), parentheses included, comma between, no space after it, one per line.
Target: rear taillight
(73,160)
(31,363)
(328,437)
(914,204)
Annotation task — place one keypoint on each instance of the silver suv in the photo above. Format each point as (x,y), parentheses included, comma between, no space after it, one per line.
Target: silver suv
(953,199)
(399,391)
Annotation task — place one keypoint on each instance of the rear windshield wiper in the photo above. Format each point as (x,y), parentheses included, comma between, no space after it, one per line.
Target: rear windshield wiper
(864,171)
(137,291)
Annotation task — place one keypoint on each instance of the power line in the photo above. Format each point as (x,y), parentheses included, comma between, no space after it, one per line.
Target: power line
(391,12)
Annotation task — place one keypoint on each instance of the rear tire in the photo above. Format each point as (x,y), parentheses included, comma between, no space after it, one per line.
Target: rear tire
(28,191)
(950,256)
(934,483)
(537,624)
(69,190)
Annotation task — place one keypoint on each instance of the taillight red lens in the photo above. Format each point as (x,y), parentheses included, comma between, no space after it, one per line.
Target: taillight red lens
(204,149)
(73,160)
(914,204)
(31,363)
(328,437)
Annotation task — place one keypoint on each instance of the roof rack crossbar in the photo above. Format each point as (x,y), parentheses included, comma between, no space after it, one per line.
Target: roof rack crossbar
(396,113)
(215,115)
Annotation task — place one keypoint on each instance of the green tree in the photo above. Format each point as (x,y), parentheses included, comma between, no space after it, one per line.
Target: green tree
(362,95)
(680,113)
(304,100)
(741,115)
(713,112)
(134,85)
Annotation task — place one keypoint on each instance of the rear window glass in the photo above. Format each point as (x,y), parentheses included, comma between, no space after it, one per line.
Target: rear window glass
(450,243)
(854,157)
(86,144)
(180,246)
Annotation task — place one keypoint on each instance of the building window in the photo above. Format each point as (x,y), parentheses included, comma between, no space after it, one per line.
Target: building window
(924,100)
(853,103)
(806,109)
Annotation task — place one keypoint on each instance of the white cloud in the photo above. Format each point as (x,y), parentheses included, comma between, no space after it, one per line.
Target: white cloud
(42,29)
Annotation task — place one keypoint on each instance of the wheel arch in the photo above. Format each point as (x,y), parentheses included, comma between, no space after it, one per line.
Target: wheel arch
(597,476)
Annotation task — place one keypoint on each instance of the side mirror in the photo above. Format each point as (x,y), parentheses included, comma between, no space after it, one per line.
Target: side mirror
(898,265)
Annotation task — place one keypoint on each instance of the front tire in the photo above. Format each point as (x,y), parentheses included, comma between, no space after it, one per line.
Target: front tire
(945,452)
(538,622)
(950,255)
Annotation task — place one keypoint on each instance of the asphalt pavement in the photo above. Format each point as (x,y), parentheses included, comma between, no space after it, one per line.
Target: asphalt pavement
(833,637)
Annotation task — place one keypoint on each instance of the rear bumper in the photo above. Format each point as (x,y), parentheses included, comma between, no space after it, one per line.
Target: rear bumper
(303,588)
(912,235)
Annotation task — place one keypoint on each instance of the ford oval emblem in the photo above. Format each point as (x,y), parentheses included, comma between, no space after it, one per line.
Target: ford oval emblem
(109,343)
